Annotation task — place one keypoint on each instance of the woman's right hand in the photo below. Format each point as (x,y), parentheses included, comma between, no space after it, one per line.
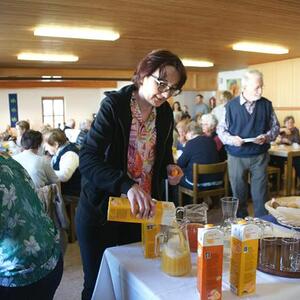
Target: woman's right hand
(141,202)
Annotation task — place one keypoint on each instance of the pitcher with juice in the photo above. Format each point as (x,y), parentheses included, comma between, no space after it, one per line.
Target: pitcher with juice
(175,251)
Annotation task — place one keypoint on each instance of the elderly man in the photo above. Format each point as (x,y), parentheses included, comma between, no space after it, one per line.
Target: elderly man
(246,129)
(70,131)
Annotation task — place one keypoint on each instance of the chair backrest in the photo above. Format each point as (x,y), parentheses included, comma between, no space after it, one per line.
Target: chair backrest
(204,169)
(50,196)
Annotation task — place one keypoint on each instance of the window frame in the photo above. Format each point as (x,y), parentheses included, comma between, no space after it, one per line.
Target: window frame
(53,115)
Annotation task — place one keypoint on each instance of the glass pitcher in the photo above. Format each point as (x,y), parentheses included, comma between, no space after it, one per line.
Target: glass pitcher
(174,250)
(195,216)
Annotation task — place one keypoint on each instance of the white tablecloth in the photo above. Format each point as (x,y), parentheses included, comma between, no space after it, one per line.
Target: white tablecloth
(125,274)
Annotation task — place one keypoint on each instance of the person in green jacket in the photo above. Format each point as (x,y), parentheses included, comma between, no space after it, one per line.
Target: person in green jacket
(31,264)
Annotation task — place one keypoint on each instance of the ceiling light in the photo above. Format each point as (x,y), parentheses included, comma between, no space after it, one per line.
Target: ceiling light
(47,57)
(197,63)
(77,33)
(261,48)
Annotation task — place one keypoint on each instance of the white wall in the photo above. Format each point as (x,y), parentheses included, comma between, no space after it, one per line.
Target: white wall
(188,98)
(79,103)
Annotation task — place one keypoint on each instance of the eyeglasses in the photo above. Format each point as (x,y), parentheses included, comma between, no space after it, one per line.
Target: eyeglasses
(163,87)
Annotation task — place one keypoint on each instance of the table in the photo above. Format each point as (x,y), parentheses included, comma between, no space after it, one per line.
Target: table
(289,152)
(125,274)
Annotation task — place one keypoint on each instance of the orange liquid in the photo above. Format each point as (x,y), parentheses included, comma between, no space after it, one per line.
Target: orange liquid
(177,265)
(192,231)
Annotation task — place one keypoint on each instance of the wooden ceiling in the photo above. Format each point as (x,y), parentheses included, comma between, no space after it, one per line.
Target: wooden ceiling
(193,29)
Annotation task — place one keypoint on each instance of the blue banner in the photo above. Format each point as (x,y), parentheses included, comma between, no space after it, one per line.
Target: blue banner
(13,109)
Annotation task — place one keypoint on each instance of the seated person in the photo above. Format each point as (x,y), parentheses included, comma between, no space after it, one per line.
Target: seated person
(31,263)
(288,135)
(181,134)
(199,149)
(65,161)
(15,144)
(38,167)
(209,124)
(8,134)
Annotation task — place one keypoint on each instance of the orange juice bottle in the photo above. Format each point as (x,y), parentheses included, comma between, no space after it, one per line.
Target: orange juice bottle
(119,210)
(210,262)
(149,232)
(243,261)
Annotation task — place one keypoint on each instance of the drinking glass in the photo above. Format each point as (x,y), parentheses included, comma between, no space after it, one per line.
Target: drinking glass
(295,263)
(269,252)
(195,216)
(229,208)
(289,249)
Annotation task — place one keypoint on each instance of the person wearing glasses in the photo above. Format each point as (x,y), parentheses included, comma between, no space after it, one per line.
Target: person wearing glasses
(127,152)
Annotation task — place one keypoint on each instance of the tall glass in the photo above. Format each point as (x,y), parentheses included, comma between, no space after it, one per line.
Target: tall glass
(229,209)
(289,249)
(269,253)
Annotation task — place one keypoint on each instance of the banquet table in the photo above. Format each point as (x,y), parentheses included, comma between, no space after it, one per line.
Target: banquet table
(288,152)
(125,274)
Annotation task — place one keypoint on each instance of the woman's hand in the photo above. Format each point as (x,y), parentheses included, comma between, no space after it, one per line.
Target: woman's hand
(174,174)
(142,205)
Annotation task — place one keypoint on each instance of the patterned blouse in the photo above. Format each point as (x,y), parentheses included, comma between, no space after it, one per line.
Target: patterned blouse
(141,149)
(29,242)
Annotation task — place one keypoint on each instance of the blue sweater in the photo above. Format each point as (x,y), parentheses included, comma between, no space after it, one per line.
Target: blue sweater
(200,150)
(246,125)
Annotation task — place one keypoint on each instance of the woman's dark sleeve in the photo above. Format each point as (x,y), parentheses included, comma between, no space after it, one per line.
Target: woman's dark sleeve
(93,165)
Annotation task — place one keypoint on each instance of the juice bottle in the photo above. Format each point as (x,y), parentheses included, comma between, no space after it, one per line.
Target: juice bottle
(210,262)
(119,210)
(243,261)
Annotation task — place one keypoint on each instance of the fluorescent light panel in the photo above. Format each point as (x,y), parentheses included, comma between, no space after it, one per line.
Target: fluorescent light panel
(260,48)
(47,57)
(77,33)
(197,63)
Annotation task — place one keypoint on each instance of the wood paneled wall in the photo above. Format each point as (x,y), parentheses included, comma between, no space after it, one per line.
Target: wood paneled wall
(282,86)
(196,81)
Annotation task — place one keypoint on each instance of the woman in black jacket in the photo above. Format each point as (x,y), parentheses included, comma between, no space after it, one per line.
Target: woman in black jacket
(128,151)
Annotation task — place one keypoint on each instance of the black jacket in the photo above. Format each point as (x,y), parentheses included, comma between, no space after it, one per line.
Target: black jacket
(103,156)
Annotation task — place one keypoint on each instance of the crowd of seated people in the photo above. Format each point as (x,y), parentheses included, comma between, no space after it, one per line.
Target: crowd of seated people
(47,155)
(197,140)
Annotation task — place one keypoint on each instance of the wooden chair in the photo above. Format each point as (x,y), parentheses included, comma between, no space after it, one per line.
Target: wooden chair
(196,192)
(50,196)
(71,203)
(271,170)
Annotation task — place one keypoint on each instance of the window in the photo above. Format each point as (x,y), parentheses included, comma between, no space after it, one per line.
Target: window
(53,111)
